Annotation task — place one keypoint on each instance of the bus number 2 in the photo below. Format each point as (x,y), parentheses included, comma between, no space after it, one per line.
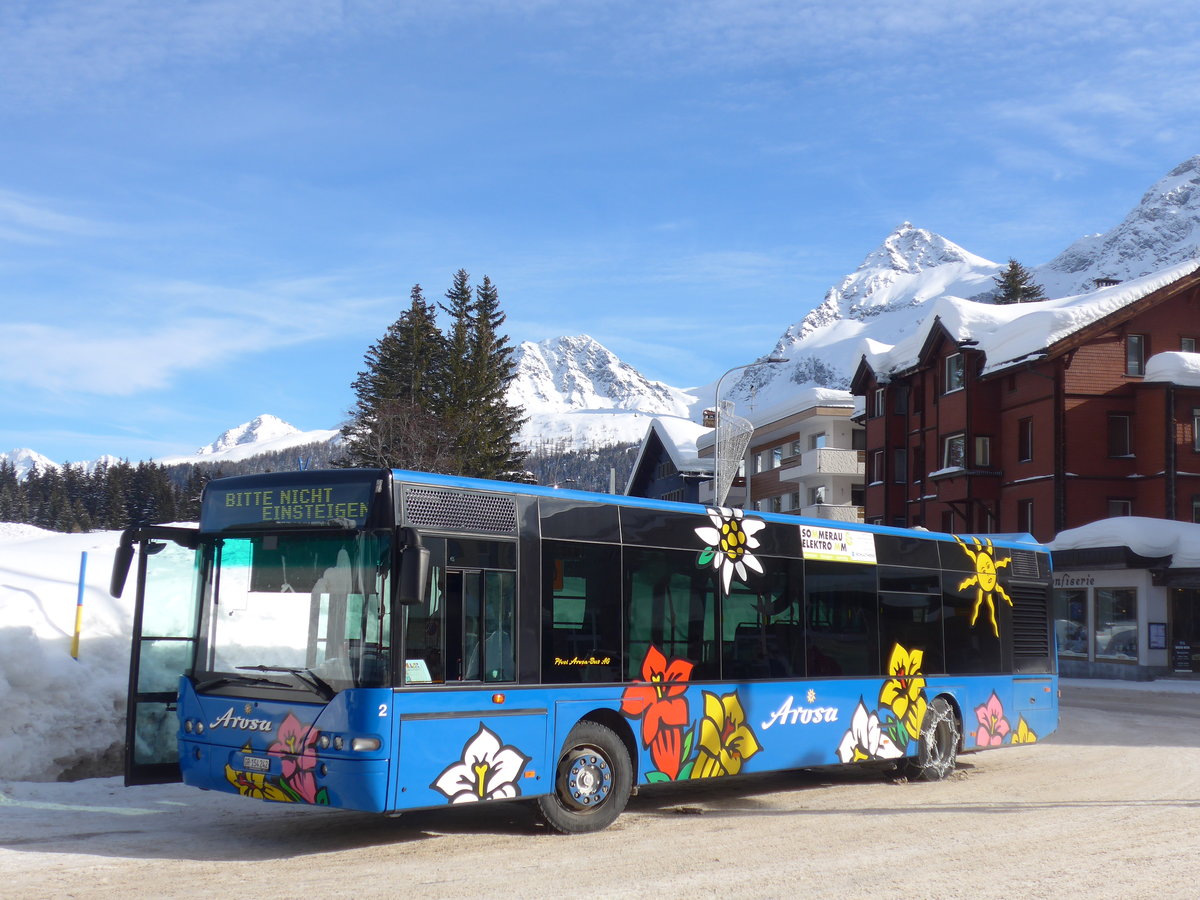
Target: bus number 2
(383,710)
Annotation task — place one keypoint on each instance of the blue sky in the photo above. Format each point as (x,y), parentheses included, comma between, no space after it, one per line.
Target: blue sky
(209,209)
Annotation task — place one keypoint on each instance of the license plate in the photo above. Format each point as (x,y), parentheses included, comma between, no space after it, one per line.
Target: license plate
(256,763)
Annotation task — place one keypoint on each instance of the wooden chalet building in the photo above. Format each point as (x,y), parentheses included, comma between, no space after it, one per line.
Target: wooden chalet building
(1039,417)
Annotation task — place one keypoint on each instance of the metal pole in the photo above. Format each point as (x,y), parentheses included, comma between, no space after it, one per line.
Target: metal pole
(79,606)
(772,360)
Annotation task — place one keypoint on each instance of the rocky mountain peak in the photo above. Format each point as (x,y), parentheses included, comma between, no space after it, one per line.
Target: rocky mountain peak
(258,429)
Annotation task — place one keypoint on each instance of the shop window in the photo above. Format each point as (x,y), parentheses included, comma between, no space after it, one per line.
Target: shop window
(954,373)
(1116,623)
(1070,622)
(1135,354)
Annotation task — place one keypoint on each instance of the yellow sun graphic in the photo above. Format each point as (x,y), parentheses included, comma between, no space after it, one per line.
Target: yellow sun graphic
(986,565)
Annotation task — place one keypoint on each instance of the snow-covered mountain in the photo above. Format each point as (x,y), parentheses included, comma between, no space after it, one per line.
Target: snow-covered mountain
(24,459)
(262,434)
(576,392)
(1163,230)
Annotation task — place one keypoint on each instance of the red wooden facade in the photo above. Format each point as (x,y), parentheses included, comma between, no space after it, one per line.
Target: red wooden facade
(1063,438)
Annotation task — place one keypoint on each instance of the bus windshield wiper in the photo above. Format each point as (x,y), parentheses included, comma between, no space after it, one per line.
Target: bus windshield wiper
(311,679)
(236,679)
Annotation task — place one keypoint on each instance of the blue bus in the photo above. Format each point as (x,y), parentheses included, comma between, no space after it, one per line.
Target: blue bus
(390,640)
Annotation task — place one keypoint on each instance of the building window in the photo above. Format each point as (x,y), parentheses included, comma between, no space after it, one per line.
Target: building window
(1118,507)
(954,454)
(796,448)
(1196,509)
(816,441)
(1116,623)
(983,451)
(858,439)
(816,495)
(918,464)
(877,408)
(1025,515)
(1025,440)
(900,399)
(877,467)
(900,466)
(1196,430)
(954,373)
(1187,345)
(777,503)
(794,501)
(1070,622)
(1118,435)
(776,457)
(1135,354)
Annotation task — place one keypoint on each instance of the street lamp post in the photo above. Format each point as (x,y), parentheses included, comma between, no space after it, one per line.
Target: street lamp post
(718,500)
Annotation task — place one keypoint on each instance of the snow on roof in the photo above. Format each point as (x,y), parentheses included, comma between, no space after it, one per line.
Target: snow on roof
(1008,334)
(1146,537)
(678,436)
(1174,367)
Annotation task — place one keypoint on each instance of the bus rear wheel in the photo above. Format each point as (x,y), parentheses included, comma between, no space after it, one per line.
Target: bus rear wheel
(592,781)
(937,747)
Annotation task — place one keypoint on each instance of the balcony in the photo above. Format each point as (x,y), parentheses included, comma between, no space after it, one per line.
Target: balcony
(827,461)
(836,512)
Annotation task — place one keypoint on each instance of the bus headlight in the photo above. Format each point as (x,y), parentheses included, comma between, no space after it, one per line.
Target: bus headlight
(365,744)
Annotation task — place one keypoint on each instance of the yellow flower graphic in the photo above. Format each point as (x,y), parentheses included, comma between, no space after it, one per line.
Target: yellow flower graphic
(730,540)
(256,784)
(1024,734)
(985,578)
(726,741)
(904,692)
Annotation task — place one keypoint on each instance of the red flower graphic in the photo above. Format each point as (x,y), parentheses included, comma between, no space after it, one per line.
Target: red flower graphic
(658,699)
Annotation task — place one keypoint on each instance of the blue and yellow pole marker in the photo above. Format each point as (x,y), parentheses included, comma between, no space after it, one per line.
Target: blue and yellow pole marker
(79,606)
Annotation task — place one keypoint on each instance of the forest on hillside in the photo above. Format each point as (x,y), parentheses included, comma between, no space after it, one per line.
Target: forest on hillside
(116,495)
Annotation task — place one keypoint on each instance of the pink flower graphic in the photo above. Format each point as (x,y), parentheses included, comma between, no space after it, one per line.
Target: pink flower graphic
(993,726)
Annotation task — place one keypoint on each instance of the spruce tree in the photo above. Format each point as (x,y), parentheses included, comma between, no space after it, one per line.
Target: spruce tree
(1015,284)
(496,453)
(396,418)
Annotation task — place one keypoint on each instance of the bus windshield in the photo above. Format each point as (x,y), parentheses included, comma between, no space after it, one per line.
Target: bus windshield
(300,610)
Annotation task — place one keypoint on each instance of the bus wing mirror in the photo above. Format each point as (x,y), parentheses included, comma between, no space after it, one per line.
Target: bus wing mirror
(121,563)
(414,569)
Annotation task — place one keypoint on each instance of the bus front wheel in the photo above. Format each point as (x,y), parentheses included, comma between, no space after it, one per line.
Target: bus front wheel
(592,782)
(937,747)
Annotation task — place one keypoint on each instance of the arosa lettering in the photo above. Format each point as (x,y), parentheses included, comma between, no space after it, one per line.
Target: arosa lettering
(229,720)
(787,714)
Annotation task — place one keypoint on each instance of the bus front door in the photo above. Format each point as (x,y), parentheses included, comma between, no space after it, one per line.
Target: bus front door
(165,631)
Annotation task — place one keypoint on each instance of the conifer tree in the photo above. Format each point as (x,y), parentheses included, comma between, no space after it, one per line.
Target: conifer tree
(396,419)
(1015,284)
(496,424)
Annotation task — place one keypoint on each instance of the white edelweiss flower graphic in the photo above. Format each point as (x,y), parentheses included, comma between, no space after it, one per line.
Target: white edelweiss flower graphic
(488,770)
(865,739)
(730,540)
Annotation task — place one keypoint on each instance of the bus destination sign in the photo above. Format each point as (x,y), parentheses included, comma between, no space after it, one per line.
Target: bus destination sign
(346,503)
(837,544)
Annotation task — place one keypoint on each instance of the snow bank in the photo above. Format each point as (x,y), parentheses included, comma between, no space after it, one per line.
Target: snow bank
(60,718)
(1147,537)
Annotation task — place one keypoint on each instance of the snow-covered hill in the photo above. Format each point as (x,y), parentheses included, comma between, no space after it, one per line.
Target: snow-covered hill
(577,393)
(262,434)
(1163,230)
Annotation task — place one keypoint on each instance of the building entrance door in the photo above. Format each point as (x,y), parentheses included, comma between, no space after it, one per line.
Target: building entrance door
(1185,629)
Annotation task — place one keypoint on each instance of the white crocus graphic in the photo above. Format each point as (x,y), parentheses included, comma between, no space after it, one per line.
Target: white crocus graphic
(488,770)
(730,540)
(865,739)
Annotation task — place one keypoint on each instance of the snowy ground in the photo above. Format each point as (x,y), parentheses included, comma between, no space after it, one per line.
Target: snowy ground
(1100,809)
